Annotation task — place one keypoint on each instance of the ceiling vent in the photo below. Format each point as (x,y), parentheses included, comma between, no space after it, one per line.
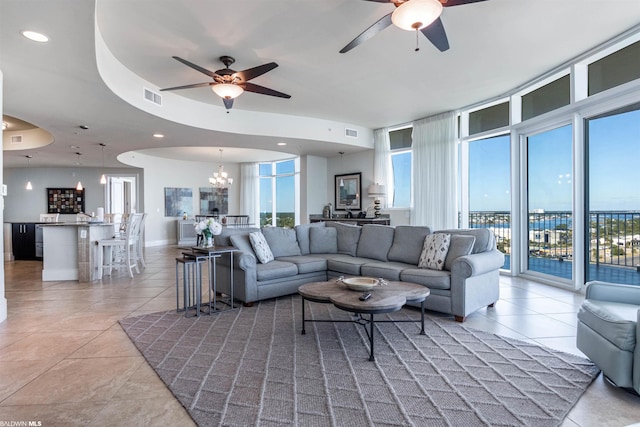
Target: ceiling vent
(16,139)
(152,96)
(351,133)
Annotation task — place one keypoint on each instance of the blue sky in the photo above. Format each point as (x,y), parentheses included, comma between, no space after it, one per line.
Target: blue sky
(614,160)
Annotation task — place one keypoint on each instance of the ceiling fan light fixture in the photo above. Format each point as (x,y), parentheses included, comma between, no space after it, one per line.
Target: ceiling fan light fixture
(227,90)
(414,15)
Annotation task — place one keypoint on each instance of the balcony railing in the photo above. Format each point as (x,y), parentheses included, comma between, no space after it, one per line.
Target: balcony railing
(614,235)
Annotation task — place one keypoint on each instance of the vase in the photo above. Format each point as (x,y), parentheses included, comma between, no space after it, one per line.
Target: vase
(209,242)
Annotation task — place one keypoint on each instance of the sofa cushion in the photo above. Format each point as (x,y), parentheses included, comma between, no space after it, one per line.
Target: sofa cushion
(460,245)
(348,237)
(386,270)
(242,242)
(275,270)
(306,263)
(346,264)
(434,251)
(433,279)
(323,240)
(375,241)
(302,233)
(261,247)
(281,241)
(485,239)
(614,321)
(407,243)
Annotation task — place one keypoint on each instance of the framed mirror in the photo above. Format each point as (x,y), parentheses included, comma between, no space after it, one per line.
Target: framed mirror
(348,192)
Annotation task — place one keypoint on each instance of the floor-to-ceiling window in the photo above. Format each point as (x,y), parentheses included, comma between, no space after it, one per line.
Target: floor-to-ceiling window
(613,196)
(490,189)
(401,158)
(278,193)
(549,230)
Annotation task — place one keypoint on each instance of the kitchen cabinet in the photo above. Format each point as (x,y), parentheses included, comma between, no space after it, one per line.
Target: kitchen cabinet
(24,241)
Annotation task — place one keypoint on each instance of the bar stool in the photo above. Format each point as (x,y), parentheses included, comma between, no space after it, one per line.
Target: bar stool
(191,284)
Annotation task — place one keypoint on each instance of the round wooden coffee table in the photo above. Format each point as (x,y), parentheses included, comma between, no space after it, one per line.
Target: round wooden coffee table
(384,299)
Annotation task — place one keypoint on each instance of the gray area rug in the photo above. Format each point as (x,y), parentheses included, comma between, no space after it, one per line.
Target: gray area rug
(253,367)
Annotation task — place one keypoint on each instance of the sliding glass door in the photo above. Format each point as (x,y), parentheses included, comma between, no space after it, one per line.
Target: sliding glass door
(549,230)
(613,197)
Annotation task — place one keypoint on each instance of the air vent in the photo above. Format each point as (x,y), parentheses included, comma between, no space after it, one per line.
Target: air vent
(351,133)
(16,139)
(151,96)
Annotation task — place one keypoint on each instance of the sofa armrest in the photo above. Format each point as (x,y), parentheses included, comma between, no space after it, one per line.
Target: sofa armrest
(613,292)
(244,260)
(476,264)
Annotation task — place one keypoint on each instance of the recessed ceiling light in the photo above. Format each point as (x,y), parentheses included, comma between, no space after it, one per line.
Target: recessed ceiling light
(73,146)
(84,127)
(158,135)
(281,143)
(36,37)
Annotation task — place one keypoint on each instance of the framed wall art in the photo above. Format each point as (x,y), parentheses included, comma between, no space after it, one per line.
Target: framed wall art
(178,201)
(348,192)
(65,200)
(214,201)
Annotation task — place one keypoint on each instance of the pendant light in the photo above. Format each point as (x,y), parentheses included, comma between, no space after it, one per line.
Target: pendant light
(103,178)
(79,186)
(341,169)
(29,186)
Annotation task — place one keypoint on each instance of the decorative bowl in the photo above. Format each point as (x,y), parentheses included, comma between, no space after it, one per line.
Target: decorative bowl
(361,283)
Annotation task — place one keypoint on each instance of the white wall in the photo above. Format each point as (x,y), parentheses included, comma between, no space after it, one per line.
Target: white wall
(313,197)
(160,173)
(3,300)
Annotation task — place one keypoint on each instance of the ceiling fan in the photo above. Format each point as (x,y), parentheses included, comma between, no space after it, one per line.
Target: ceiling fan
(229,84)
(413,15)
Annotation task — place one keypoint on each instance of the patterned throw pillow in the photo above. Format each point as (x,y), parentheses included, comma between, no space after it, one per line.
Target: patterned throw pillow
(434,251)
(261,247)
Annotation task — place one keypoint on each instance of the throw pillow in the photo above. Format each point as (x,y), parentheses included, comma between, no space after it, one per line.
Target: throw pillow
(434,251)
(260,247)
(375,241)
(323,240)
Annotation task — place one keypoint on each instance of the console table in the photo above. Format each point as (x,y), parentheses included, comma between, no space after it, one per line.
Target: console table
(358,221)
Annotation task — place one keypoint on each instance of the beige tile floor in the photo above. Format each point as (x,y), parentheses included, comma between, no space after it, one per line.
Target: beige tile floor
(65,361)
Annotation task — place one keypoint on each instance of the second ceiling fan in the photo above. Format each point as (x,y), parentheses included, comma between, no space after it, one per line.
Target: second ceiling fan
(412,15)
(229,84)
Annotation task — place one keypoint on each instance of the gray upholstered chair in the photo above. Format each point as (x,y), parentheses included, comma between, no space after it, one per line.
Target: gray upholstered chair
(608,331)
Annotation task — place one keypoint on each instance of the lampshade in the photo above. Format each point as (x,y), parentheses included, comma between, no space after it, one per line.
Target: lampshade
(227,90)
(376,190)
(103,179)
(416,14)
(29,186)
(79,186)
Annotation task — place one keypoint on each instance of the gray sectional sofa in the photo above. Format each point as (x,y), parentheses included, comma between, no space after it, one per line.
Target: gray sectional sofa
(319,251)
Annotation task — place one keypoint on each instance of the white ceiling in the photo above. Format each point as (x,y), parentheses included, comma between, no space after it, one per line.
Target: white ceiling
(496,46)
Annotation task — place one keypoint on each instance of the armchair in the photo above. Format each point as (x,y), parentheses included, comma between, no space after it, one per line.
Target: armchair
(609,332)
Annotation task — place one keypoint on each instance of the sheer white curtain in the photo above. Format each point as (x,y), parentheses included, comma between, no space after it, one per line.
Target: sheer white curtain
(434,172)
(250,192)
(382,169)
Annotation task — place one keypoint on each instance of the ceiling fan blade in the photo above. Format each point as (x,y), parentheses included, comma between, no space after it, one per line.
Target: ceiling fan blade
(228,103)
(449,3)
(382,23)
(251,87)
(189,86)
(195,67)
(437,35)
(252,73)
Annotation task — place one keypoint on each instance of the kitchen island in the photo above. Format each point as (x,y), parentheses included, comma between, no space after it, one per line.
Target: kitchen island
(70,250)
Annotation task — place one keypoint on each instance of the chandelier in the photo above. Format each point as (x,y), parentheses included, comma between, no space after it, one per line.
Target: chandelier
(220,179)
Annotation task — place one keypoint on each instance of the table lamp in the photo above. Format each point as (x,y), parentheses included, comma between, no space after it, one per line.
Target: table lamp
(376,191)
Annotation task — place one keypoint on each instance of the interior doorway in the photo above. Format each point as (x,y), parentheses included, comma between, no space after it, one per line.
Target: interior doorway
(121,195)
